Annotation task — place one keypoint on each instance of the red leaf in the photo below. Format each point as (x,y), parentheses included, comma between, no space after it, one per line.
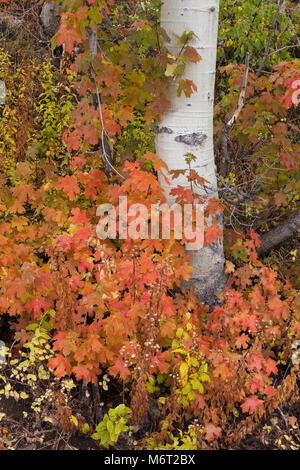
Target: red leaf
(251,404)
(255,362)
(212,432)
(66,34)
(242,341)
(256,238)
(69,185)
(192,54)
(119,368)
(270,366)
(79,217)
(36,305)
(61,365)
(269,390)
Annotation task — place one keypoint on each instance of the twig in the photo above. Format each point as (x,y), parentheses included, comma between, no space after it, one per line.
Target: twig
(283,416)
(106,153)
(104,138)
(283,48)
(229,126)
(266,54)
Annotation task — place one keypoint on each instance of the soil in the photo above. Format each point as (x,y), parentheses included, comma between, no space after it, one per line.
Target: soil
(280,431)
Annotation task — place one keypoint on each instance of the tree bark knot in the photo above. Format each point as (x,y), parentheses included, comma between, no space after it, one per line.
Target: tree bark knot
(197,138)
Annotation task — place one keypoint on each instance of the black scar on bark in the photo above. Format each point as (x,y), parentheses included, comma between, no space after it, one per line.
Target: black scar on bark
(191,139)
(163,130)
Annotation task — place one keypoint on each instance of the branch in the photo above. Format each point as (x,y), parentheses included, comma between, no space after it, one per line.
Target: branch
(106,21)
(266,54)
(283,48)
(283,232)
(230,124)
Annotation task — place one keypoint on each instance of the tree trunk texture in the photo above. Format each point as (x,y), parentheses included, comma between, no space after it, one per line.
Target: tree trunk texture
(187,127)
(50,17)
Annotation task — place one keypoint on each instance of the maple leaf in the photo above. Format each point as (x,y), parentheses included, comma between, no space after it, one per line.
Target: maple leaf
(72,137)
(213,205)
(161,360)
(81,371)
(212,432)
(170,70)
(59,339)
(255,362)
(66,34)
(250,323)
(295,85)
(61,365)
(79,216)
(191,54)
(183,194)
(257,383)
(212,234)
(156,161)
(126,115)
(288,161)
(281,199)
(76,282)
(250,404)
(269,390)
(229,267)
(119,368)
(36,305)
(280,128)
(221,371)
(256,238)
(63,241)
(277,307)
(186,86)
(156,108)
(169,308)
(69,185)
(78,162)
(90,133)
(270,366)
(242,341)
(95,343)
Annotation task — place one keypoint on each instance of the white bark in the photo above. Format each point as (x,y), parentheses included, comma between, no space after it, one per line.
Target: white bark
(188,125)
(50,15)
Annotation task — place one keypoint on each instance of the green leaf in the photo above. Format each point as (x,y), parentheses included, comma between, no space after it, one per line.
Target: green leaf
(32,327)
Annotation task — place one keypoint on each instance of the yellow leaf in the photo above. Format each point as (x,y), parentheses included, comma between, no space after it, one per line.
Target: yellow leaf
(170,70)
(184,369)
(74,420)
(229,267)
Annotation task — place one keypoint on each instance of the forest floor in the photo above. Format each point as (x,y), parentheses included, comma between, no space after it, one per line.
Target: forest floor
(280,431)
(22,428)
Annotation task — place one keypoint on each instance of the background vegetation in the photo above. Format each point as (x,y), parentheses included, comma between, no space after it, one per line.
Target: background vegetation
(104,346)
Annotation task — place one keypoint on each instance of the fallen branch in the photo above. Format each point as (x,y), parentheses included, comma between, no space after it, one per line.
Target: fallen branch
(281,233)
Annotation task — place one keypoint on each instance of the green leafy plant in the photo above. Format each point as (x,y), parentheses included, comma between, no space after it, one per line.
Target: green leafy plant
(114,422)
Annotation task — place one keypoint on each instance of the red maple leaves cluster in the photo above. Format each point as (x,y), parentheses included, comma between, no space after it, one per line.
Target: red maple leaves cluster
(118,303)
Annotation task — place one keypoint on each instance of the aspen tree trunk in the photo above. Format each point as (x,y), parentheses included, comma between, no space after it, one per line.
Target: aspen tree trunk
(187,127)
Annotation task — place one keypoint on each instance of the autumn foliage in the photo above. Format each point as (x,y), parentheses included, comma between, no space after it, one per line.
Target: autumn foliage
(119,308)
